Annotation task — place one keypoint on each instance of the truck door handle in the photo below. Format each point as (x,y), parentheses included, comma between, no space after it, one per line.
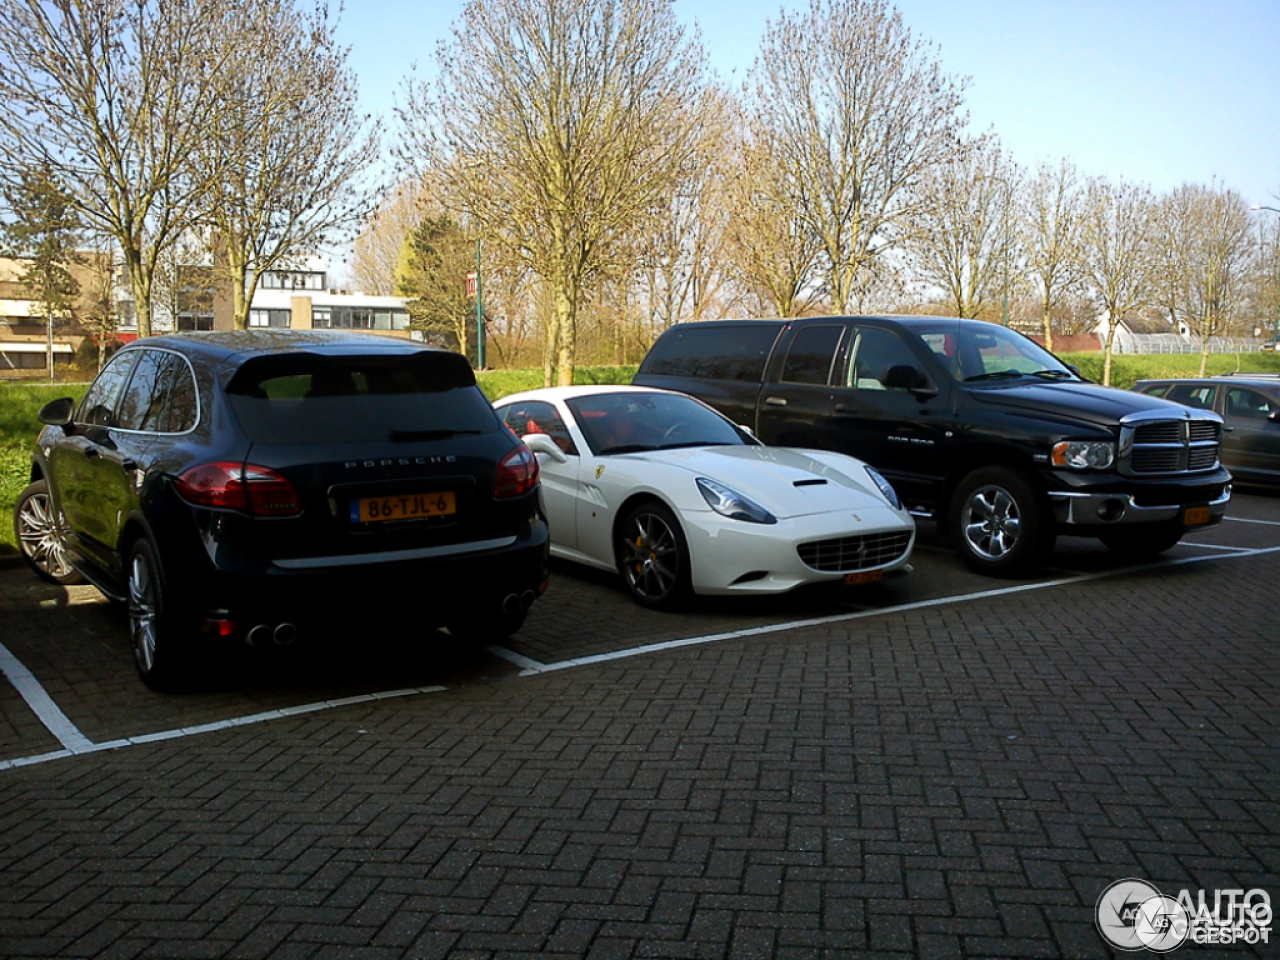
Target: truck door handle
(92,453)
(775,401)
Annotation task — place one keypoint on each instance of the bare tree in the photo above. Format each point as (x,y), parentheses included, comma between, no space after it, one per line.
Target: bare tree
(1264,297)
(1052,225)
(113,97)
(1204,245)
(1116,252)
(772,247)
(286,150)
(961,234)
(857,111)
(377,250)
(557,128)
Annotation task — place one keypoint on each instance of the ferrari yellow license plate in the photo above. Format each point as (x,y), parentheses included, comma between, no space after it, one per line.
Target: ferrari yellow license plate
(864,576)
(1195,516)
(416,506)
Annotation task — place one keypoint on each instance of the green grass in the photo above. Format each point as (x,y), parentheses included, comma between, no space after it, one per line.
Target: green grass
(497,384)
(19,404)
(1127,370)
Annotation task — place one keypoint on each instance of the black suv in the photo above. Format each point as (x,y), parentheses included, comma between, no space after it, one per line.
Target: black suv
(974,425)
(249,484)
(1249,404)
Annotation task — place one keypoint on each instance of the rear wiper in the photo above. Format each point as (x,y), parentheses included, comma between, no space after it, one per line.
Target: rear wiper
(409,436)
(997,375)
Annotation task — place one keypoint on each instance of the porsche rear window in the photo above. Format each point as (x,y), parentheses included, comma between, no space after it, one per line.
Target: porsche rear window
(305,398)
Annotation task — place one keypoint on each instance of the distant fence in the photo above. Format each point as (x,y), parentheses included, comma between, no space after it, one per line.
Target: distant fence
(1146,343)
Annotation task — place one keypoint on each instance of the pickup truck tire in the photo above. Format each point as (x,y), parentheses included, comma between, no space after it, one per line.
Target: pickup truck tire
(1001,525)
(1141,542)
(653,557)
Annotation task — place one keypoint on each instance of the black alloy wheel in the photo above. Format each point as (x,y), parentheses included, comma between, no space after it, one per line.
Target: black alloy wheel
(40,530)
(653,557)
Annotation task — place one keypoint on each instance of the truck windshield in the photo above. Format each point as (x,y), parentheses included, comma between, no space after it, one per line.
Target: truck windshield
(974,351)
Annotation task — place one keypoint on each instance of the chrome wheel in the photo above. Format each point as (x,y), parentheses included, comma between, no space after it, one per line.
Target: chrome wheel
(1002,524)
(41,535)
(991,522)
(143,611)
(652,556)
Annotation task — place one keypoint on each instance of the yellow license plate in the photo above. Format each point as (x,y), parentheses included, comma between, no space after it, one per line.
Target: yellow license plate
(415,506)
(1195,516)
(862,576)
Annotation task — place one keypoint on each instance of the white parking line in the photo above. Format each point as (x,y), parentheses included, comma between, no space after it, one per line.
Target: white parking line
(533,667)
(41,704)
(1265,523)
(84,745)
(76,743)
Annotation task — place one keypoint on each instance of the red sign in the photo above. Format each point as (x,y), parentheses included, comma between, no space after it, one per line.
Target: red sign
(471,284)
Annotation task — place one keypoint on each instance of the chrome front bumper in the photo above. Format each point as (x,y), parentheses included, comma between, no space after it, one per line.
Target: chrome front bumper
(1118,509)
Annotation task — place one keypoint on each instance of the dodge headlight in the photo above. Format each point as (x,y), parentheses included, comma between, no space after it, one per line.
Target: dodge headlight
(730,503)
(886,488)
(1084,454)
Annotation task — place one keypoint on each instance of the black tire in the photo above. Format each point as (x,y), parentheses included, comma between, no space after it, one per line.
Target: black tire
(653,557)
(154,622)
(1001,524)
(40,530)
(1140,541)
(481,629)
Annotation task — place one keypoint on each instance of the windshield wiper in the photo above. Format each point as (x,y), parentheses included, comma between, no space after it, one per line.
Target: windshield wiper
(996,375)
(696,443)
(629,448)
(410,436)
(1054,374)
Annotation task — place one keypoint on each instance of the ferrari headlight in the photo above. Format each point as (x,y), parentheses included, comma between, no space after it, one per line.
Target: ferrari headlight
(886,488)
(1084,454)
(730,503)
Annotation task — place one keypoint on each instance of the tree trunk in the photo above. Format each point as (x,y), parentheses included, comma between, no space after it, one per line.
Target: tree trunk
(49,343)
(1048,327)
(565,348)
(1106,351)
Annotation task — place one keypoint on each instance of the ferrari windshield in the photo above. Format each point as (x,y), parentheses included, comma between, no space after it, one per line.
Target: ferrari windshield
(634,422)
(974,351)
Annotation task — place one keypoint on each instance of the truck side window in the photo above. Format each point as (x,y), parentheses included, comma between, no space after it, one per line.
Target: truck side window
(708,354)
(874,352)
(812,355)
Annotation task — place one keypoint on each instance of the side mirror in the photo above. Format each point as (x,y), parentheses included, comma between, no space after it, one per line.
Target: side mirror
(541,443)
(58,413)
(1076,370)
(903,376)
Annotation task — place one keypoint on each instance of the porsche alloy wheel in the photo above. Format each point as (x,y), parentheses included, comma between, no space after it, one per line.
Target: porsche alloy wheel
(653,557)
(40,531)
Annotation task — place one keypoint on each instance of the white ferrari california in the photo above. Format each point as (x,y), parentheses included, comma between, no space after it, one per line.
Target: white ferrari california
(678,499)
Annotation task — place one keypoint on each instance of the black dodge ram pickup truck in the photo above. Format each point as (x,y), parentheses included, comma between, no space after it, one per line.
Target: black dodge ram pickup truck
(975,425)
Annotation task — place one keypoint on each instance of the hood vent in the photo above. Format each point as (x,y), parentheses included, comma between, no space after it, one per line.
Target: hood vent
(815,482)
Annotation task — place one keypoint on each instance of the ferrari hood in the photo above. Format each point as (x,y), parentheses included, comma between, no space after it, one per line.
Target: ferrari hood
(786,482)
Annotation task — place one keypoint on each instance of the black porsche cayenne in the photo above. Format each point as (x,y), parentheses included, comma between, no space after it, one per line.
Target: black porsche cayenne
(250,484)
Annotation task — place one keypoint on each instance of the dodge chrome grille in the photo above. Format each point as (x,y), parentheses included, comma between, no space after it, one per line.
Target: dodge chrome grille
(846,554)
(1163,447)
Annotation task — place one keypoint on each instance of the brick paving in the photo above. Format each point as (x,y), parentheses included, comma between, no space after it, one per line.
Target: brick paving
(951,781)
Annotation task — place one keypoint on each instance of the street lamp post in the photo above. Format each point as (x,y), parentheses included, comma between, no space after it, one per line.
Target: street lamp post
(479,311)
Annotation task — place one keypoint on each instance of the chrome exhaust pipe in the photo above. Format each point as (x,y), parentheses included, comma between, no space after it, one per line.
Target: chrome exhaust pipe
(258,635)
(527,598)
(511,604)
(285,634)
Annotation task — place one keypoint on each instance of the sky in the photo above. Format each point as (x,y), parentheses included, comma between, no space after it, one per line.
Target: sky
(1161,92)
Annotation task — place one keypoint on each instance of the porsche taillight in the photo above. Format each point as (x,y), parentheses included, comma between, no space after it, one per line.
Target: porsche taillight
(517,473)
(248,488)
